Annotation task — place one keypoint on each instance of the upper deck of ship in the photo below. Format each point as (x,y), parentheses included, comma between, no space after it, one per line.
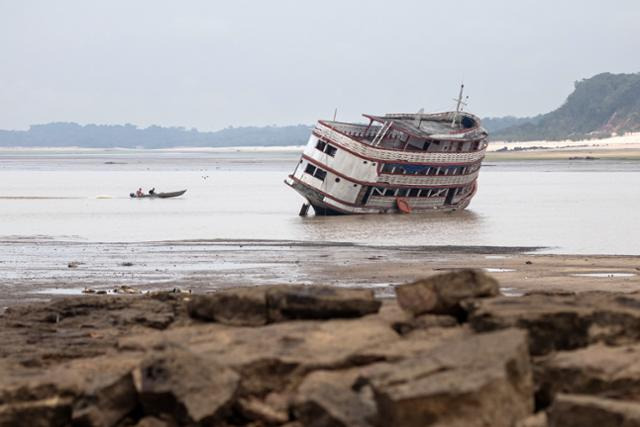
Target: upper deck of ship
(428,125)
(416,132)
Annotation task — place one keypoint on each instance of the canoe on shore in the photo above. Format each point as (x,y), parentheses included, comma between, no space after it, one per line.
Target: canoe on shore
(158,195)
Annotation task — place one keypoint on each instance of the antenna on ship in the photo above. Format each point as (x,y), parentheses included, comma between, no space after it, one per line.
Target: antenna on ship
(335,113)
(460,104)
(418,118)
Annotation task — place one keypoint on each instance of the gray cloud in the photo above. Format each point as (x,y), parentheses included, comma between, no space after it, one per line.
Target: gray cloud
(210,64)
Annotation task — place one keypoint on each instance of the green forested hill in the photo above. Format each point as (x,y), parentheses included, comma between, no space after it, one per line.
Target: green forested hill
(598,107)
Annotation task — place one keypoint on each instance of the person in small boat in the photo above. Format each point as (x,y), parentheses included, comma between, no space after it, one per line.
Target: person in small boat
(152,191)
(139,193)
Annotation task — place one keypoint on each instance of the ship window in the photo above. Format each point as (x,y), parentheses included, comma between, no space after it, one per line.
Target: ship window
(315,172)
(337,179)
(330,150)
(320,145)
(320,174)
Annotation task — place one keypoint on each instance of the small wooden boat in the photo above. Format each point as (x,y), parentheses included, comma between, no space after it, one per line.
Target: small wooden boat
(158,195)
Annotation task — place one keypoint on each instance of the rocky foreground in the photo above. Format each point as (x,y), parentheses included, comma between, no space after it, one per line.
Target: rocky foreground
(449,351)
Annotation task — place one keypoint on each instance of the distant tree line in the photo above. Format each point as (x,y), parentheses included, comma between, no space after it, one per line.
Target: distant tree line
(130,136)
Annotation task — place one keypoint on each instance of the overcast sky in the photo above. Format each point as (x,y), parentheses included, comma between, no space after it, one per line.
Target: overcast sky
(211,64)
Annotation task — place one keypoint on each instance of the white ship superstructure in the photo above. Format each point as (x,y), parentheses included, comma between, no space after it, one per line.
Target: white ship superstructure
(395,163)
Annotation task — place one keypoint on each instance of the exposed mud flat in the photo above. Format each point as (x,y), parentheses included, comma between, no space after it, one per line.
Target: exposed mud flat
(39,269)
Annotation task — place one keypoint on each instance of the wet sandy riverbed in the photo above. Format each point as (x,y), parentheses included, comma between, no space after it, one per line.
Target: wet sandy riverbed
(40,269)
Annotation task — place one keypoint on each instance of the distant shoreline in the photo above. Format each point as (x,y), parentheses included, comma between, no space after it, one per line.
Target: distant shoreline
(622,147)
(234,149)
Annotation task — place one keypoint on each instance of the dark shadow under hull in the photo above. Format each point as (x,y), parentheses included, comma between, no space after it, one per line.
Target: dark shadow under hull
(325,211)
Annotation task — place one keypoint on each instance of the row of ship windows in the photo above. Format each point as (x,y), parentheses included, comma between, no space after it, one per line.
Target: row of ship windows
(321,174)
(409,192)
(426,170)
(405,169)
(415,192)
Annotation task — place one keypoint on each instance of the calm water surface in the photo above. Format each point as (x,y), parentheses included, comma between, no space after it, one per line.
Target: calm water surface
(571,207)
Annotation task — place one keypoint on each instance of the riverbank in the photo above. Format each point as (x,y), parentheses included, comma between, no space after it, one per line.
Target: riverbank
(622,147)
(584,154)
(449,351)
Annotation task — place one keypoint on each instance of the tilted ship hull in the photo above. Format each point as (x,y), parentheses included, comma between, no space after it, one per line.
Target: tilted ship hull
(396,163)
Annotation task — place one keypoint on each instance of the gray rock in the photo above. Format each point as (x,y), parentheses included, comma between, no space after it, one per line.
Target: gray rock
(442,293)
(277,356)
(180,384)
(613,372)
(239,307)
(106,403)
(154,422)
(51,412)
(263,411)
(319,302)
(571,410)
(327,399)
(562,322)
(481,380)
(536,420)
(96,392)
(424,321)
(267,304)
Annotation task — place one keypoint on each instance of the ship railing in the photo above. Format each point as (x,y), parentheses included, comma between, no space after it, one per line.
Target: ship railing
(382,154)
(436,180)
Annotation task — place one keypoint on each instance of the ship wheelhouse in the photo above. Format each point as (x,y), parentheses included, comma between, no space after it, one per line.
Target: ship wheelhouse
(394,163)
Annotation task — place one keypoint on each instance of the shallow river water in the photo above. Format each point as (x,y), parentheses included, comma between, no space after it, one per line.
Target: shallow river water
(589,207)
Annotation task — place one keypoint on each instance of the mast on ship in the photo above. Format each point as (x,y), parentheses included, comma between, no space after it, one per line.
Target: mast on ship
(459,105)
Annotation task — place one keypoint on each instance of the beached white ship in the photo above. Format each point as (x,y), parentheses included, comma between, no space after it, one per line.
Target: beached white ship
(395,163)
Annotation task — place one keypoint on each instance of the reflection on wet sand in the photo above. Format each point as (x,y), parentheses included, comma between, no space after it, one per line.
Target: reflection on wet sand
(431,226)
